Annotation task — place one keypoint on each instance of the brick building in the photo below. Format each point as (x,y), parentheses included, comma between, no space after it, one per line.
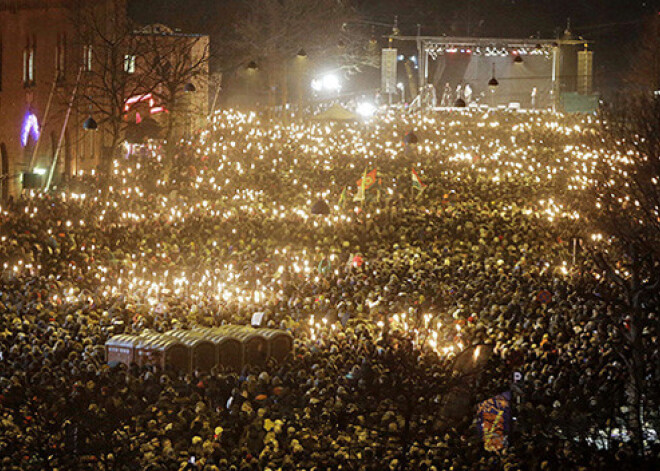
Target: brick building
(42,61)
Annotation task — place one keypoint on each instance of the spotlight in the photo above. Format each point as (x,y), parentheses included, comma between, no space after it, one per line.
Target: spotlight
(365,109)
(331,82)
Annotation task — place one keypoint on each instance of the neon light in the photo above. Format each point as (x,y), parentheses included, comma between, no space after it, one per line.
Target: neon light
(136,99)
(30,127)
(158,109)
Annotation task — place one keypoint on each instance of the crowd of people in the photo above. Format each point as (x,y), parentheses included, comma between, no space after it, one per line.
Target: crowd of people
(382,295)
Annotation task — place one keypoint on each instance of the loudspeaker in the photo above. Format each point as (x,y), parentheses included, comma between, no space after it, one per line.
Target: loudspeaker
(585,67)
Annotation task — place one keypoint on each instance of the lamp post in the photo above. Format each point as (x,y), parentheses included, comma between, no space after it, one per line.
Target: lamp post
(189,88)
(301,72)
(251,71)
(492,85)
(89,124)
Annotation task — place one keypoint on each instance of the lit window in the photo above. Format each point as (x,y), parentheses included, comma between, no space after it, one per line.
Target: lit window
(87,57)
(28,61)
(129,63)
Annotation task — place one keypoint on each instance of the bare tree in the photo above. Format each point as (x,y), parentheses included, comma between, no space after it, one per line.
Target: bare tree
(645,68)
(272,32)
(122,62)
(179,66)
(111,71)
(623,214)
(358,48)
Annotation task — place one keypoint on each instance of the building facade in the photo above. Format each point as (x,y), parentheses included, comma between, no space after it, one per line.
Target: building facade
(47,71)
(35,61)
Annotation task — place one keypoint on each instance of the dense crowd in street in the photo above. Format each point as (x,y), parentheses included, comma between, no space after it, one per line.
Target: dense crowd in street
(382,296)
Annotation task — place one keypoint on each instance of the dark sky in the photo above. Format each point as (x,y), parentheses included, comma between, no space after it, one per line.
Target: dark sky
(505,17)
(613,25)
(515,18)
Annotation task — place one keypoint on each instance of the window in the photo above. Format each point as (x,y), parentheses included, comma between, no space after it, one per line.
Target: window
(87,57)
(60,57)
(28,61)
(129,63)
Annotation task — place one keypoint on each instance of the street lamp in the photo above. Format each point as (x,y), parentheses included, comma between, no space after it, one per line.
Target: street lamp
(492,85)
(373,41)
(90,124)
(300,64)
(326,83)
(189,88)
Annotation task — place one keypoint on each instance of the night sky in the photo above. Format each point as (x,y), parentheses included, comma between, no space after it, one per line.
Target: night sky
(613,25)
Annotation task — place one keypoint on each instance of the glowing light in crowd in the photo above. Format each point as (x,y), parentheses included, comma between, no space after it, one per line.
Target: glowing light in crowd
(366,109)
(495,147)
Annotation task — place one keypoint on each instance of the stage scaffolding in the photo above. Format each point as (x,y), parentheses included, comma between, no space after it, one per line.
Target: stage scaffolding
(433,47)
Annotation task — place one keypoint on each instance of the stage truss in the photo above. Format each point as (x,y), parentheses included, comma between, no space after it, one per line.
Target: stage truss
(431,47)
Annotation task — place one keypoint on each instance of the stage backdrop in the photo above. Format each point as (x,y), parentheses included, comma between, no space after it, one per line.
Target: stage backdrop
(517,81)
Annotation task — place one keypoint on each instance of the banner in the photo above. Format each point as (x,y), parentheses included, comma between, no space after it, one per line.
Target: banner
(388,66)
(494,421)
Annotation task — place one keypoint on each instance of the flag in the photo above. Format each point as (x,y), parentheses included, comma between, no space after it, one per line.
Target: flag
(367,181)
(416,181)
(324,265)
(362,186)
(493,420)
(342,198)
